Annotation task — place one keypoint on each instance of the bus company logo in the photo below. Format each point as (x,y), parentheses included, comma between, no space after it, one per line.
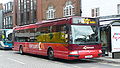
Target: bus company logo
(85,47)
(116,36)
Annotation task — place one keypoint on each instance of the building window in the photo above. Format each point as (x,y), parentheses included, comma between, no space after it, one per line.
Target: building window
(22,18)
(11,24)
(27,12)
(8,22)
(95,12)
(50,12)
(8,7)
(68,9)
(118,8)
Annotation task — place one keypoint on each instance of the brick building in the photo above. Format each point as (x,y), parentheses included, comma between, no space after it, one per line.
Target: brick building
(32,11)
(59,8)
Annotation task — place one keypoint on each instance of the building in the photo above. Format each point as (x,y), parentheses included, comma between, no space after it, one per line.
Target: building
(1,15)
(8,15)
(95,8)
(32,11)
(52,9)
(24,12)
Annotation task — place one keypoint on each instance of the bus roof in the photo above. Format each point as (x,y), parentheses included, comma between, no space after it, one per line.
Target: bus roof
(6,29)
(48,23)
(64,18)
(43,23)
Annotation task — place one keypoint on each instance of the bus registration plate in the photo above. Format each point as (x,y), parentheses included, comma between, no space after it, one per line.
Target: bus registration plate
(88,56)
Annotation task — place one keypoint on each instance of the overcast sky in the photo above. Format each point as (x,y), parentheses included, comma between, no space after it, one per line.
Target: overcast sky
(5,1)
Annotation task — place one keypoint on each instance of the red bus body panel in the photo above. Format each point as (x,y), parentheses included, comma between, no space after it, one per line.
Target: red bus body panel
(60,50)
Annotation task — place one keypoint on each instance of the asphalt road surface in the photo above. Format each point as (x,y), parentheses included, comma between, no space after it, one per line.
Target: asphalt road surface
(12,59)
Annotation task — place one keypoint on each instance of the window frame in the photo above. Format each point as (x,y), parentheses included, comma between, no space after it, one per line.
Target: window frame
(118,8)
(68,10)
(95,12)
(50,13)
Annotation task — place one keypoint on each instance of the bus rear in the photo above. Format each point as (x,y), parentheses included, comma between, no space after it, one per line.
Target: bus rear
(6,38)
(84,38)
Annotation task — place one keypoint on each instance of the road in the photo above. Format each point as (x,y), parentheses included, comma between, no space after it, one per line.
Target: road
(11,59)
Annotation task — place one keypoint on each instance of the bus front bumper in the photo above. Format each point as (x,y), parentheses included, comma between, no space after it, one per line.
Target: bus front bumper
(85,54)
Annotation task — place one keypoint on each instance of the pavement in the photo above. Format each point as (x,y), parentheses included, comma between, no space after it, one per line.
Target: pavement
(109,59)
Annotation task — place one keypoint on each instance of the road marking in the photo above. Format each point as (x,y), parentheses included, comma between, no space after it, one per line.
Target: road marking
(76,67)
(16,61)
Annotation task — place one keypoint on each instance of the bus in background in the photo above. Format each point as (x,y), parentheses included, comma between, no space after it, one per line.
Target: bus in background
(66,38)
(6,38)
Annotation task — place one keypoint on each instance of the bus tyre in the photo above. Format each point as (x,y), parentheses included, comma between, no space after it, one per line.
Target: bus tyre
(50,54)
(21,50)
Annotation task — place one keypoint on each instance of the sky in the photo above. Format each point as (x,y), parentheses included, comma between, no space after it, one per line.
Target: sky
(5,1)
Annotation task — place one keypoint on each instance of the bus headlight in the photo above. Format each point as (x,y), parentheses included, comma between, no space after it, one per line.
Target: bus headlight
(74,52)
(100,51)
(6,46)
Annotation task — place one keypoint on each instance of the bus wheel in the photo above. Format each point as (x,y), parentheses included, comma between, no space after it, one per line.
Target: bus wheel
(21,50)
(50,54)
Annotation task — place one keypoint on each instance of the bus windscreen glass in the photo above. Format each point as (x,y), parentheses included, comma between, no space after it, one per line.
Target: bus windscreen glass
(85,34)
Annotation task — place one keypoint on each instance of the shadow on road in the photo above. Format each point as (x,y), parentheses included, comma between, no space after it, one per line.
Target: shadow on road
(63,60)
(76,61)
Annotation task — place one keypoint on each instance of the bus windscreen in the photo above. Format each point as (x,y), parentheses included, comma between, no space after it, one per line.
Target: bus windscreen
(82,34)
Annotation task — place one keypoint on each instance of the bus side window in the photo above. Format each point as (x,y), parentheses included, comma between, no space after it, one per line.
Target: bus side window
(41,34)
(60,33)
(32,35)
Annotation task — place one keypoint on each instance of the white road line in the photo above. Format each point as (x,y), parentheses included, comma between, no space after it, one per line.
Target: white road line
(76,67)
(16,60)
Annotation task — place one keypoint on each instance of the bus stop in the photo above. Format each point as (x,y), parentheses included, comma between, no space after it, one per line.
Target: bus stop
(110,36)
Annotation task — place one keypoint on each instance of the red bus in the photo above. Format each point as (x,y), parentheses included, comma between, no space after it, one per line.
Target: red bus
(66,38)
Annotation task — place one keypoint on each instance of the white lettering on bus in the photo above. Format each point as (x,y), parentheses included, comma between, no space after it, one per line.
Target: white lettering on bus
(33,46)
(85,47)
